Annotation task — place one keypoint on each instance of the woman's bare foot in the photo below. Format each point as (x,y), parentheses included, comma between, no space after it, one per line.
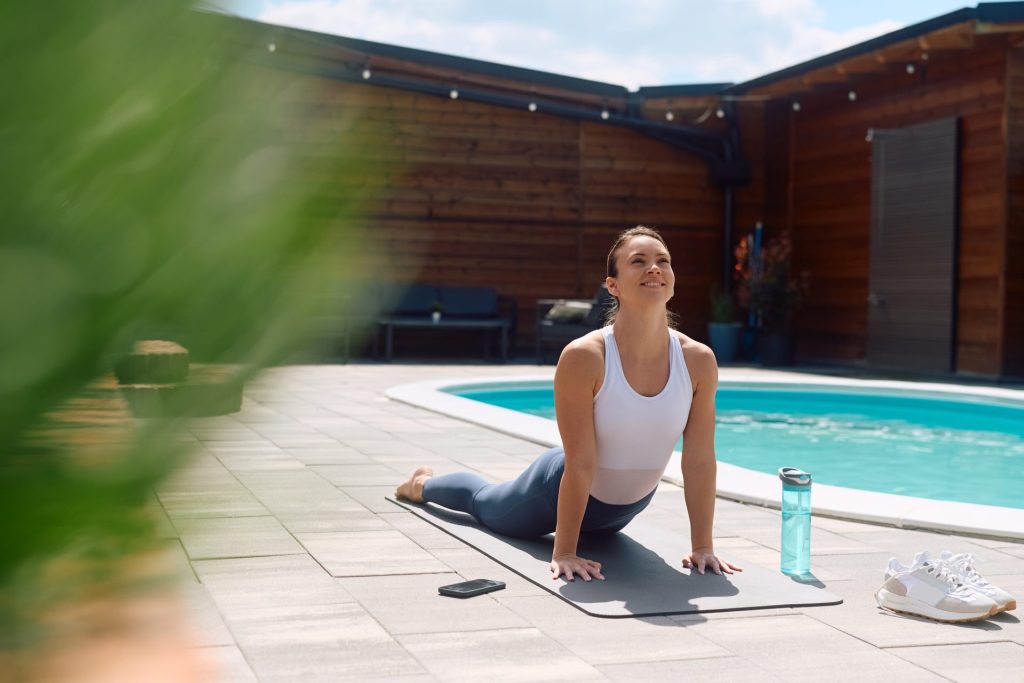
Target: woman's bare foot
(413,489)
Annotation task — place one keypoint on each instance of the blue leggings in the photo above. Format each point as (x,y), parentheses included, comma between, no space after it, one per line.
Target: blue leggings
(525,507)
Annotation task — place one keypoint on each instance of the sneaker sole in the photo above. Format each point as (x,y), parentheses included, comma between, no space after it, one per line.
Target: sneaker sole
(898,603)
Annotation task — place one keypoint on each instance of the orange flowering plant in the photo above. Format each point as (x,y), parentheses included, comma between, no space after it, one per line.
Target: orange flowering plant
(766,285)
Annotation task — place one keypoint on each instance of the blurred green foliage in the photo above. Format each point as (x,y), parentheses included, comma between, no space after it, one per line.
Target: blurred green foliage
(148,190)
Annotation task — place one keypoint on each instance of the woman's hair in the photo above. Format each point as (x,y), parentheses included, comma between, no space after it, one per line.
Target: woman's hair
(612,268)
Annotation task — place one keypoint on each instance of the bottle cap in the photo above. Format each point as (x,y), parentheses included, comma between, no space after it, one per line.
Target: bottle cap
(794,476)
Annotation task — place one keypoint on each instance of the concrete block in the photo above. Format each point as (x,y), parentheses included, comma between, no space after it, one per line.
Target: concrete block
(411,604)
(319,643)
(235,537)
(277,581)
(369,553)
(606,641)
(520,654)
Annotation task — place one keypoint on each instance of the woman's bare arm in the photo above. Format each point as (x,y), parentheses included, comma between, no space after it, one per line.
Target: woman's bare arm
(576,377)
(699,466)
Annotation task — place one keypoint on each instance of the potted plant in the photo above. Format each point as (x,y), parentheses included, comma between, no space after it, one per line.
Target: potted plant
(435,311)
(723,330)
(767,286)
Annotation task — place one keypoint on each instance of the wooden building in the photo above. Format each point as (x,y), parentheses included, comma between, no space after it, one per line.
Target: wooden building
(897,165)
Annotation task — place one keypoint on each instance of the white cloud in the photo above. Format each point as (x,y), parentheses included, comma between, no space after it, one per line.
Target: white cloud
(661,42)
(807,42)
(504,42)
(807,9)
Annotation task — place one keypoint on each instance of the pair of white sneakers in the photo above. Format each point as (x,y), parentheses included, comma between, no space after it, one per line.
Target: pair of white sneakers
(944,588)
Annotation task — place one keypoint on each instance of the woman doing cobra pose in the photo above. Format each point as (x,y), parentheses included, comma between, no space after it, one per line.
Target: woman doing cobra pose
(623,396)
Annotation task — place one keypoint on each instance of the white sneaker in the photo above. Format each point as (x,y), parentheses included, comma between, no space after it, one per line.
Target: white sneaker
(932,590)
(962,565)
(896,567)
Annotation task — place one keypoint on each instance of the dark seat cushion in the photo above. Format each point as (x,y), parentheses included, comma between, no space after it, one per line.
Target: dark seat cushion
(416,299)
(469,302)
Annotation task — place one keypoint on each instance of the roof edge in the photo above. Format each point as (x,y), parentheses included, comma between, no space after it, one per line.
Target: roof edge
(991,12)
(515,73)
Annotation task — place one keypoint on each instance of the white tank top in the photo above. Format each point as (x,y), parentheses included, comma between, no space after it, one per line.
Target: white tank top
(636,434)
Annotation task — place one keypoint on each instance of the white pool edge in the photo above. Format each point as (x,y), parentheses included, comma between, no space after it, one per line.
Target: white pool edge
(757,488)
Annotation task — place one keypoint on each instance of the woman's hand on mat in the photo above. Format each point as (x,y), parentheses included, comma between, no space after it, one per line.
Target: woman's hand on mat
(701,558)
(571,565)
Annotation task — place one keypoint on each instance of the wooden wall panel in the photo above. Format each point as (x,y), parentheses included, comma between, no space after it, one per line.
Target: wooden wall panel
(628,179)
(1013,306)
(471,194)
(830,171)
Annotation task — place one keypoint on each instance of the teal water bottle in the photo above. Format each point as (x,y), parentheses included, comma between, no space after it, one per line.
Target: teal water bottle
(796,521)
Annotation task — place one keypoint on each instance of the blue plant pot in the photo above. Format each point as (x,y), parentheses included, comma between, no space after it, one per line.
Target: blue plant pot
(725,340)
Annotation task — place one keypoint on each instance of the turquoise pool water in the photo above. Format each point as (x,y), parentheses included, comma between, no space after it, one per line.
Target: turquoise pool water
(967,450)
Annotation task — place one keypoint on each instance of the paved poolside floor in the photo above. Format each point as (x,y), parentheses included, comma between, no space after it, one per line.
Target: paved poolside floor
(296,568)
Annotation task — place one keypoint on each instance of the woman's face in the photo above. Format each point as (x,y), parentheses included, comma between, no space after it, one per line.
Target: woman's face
(644,272)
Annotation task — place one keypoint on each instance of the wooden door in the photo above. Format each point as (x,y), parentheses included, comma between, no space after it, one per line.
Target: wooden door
(912,284)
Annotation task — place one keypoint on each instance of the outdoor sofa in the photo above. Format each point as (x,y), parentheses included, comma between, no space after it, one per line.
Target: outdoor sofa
(462,310)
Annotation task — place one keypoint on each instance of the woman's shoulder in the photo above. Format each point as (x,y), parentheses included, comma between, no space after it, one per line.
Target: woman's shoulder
(698,356)
(582,361)
(587,349)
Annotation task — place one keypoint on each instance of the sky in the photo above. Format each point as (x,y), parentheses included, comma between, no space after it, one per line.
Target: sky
(631,43)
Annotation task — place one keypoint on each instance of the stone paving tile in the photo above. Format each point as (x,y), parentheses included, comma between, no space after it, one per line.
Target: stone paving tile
(411,604)
(318,643)
(276,581)
(373,498)
(238,434)
(330,455)
(192,480)
(843,526)
(178,563)
(384,444)
(868,567)
(1014,550)
(360,475)
(161,522)
(302,440)
(227,665)
(896,541)
(318,521)
(861,617)
(524,654)
(206,626)
(474,565)
(369,553)
(799,648)
(259,461)
(199,504)
(425,535)
(1003,661)
(607,641)
(235,537)
(718,669)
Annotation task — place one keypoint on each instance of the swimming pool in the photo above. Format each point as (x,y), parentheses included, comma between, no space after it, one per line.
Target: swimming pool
(820,426)
(933,447)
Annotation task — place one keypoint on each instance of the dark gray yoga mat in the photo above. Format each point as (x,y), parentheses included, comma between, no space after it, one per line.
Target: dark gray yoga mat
(642,567)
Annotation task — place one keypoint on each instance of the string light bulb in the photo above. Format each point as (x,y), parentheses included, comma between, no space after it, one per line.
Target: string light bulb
(454,94)
(670,115)
(532,106)
(366,74)
(852,96)
(605,114)
(796,106)
(271,47)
